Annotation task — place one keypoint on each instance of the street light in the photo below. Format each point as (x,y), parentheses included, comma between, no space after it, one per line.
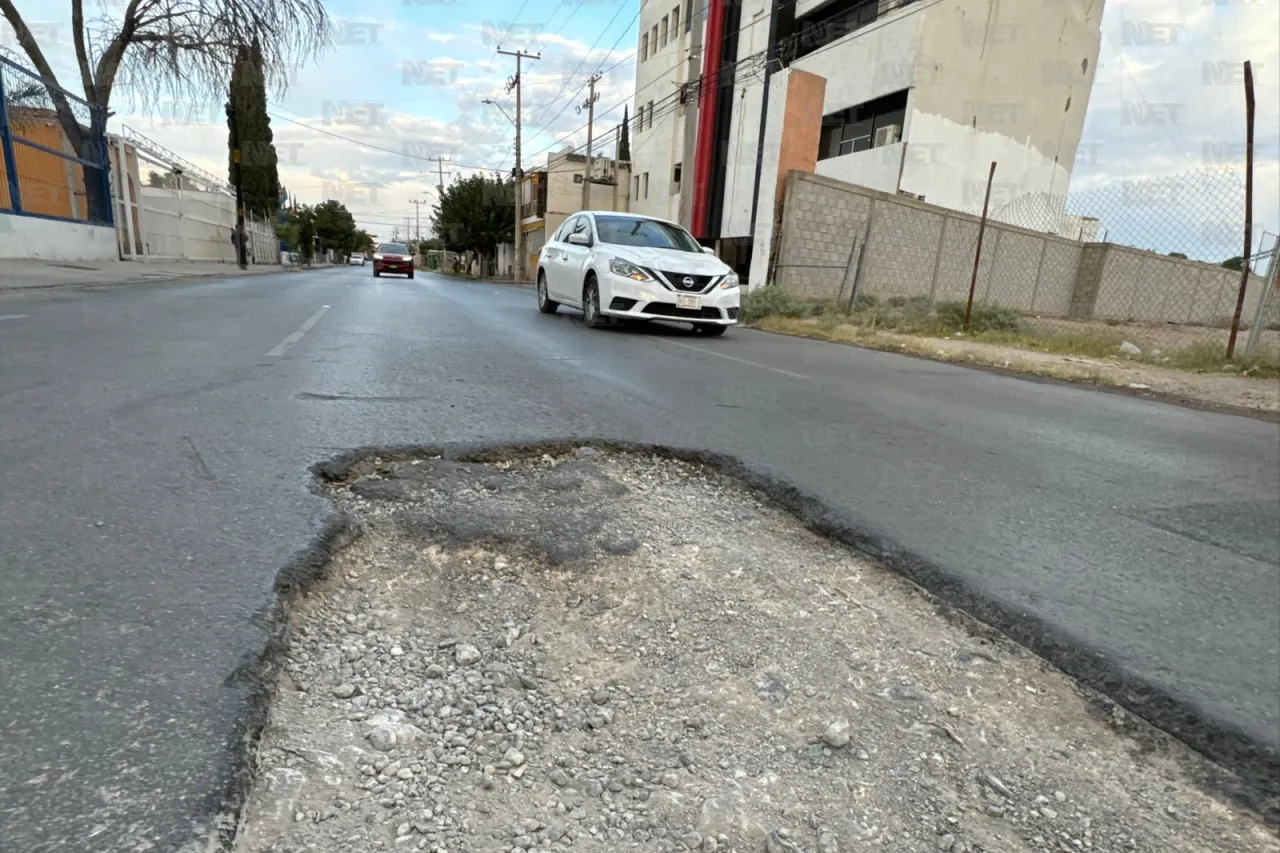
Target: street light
(500,109)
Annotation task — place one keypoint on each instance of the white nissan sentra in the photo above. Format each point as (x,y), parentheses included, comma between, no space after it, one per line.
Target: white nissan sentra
(623,266)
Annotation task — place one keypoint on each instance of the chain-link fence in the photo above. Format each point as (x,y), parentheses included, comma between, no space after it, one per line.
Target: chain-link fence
(1148,269)
(53,160)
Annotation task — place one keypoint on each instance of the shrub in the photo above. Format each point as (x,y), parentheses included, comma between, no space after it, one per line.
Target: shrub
(864,302)
(772,301)
(983,318)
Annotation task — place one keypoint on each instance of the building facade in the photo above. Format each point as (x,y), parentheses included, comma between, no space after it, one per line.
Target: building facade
(916,97)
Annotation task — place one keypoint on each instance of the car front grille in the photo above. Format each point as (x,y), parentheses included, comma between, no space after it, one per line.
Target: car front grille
(687,282)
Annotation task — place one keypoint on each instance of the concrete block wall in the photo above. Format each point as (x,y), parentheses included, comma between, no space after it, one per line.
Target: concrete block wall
(912,248)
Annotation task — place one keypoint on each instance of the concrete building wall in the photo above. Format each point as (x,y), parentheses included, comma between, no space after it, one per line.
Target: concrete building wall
(656,149)
(916,249)
(1005,81)
(744,128)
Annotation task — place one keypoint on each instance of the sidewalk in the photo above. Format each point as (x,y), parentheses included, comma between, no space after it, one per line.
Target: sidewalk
(20,275)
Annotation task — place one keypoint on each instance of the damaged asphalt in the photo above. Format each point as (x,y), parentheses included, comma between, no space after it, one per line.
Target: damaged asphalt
(157,461)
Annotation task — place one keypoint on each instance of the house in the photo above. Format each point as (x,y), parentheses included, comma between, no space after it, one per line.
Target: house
(916,97)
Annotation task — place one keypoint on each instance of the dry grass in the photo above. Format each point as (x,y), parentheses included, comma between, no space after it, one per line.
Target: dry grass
(1194,349)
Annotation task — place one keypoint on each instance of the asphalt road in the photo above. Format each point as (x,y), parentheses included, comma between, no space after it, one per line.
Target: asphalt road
(155,442)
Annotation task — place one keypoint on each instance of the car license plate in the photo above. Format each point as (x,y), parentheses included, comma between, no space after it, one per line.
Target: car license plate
(688,302)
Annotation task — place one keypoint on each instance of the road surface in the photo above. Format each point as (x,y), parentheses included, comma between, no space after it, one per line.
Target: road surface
(155,442)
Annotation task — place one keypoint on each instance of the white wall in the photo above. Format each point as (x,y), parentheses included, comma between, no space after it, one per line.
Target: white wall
(877,168)
(763,236)
(744,124)
(55,240)
(1010,84)
(656,150)
(875,60)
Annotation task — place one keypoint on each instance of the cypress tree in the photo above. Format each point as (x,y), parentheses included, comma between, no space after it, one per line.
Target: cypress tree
(248,91)
(624,139)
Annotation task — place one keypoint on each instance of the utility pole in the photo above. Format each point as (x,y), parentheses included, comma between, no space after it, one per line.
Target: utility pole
(440,161)
(239,161)
(417,215)
(517,266)
(617,144)
(590,106)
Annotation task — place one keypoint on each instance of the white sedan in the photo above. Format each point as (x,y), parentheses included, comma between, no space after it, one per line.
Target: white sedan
(355,259)
(623,266)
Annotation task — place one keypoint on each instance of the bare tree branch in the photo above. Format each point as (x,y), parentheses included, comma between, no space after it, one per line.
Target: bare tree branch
(82,54)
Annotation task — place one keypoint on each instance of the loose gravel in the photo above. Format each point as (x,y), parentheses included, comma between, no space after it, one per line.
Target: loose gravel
(606,652)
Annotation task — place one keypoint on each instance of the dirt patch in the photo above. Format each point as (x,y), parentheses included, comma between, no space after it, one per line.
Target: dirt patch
(1217,390)
(623,652)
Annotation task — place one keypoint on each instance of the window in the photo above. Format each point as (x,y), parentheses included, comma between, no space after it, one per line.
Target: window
(675,178)
(633,231)
(583,226)
(567,227)
(662,38)
(636,193)
(653,38)
(675,23)
(651,115)
(832,22)
(646,184)
(644,47)
(688,15)
(855,129)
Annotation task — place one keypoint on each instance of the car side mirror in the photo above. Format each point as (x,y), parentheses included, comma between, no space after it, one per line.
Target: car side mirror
(579,239)
(708,250)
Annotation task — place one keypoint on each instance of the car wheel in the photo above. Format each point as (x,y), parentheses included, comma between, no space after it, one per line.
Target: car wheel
(712,329)
(376,273)
(545,303)
(591,317)
(410,275)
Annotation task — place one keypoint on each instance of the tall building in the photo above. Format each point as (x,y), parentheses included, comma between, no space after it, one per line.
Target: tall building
(909,96)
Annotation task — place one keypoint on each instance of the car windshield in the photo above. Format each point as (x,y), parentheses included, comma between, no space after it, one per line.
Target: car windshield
(393,249)
(630,231)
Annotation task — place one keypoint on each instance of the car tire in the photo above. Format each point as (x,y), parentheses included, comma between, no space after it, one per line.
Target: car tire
(545,303)
(712,329)
(376,273)
(410,275)
(591,317)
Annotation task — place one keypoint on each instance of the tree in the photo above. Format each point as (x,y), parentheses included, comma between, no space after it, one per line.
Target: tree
(335,226)
(474,215)
(1236,263)
(1177,255)
(624,139)
(247,96)
(189,45)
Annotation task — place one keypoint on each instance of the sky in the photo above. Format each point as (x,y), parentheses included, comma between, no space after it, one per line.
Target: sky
(411,77)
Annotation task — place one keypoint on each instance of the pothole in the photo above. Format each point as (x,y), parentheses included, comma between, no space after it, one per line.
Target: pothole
(605,651)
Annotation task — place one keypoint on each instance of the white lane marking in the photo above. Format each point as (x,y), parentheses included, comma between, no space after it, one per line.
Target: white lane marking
(13,316)
(735,358)
(297,336)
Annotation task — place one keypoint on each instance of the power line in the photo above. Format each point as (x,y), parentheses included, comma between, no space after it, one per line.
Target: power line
(565,85)
(597,71)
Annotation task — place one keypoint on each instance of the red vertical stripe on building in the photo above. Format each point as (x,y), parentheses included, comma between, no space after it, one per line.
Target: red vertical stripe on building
(707,95)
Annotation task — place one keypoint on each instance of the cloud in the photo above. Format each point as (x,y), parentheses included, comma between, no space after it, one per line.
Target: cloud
(442,38)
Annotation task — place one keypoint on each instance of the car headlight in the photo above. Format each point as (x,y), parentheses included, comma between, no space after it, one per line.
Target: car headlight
(626,269)
(377,257)
(730,281)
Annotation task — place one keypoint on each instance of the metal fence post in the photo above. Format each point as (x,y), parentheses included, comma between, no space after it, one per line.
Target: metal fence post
(6,146)
(1269,285)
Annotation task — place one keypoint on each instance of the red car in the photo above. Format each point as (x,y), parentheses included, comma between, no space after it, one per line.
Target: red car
(392,257)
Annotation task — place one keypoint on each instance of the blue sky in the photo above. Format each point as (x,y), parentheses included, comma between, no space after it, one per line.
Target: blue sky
(410,77)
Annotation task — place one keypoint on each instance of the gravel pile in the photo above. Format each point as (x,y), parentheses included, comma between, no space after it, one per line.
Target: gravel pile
(613,652)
